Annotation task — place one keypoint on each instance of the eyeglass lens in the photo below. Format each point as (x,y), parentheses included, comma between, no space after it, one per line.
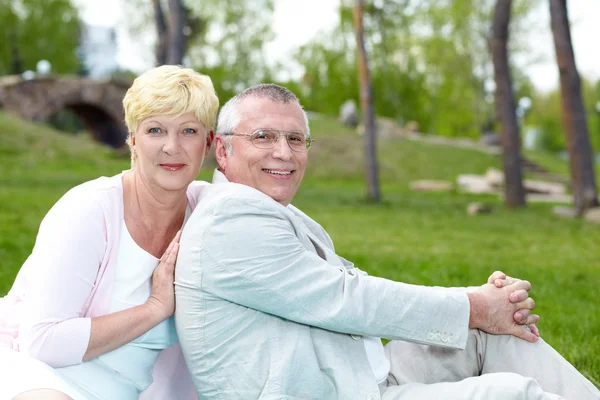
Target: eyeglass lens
(265,138)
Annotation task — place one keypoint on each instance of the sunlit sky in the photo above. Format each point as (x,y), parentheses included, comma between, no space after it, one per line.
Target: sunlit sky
(296,22)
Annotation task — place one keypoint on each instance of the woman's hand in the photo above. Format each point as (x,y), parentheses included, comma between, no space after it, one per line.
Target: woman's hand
(163,289)
(112,331)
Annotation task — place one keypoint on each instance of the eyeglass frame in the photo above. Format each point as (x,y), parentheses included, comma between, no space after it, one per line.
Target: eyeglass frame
(307,137)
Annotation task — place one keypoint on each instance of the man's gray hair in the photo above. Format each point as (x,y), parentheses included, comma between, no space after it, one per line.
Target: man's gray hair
(229,117)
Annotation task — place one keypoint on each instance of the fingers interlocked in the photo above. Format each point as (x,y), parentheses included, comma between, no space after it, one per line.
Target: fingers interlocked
(524,304)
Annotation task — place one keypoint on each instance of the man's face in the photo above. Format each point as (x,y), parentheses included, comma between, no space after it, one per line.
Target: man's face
(277,172)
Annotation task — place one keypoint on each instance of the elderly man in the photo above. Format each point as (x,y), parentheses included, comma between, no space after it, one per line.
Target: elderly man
(267,310)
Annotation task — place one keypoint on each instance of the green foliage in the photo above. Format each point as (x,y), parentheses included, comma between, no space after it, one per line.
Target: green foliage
(33,30)
(428,59)
(224,40)
(546,113)
(330,75)
(123,76)
(420,238)
(231,51)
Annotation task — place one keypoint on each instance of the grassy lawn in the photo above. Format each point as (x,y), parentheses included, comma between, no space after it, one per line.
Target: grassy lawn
(422,238)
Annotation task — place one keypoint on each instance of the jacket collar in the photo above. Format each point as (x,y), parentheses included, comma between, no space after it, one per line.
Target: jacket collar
(219,177)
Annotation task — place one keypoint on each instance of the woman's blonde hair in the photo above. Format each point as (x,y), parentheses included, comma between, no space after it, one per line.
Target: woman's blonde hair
(169,90)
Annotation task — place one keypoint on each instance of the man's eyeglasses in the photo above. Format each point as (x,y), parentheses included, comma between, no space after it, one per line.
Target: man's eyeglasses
(267,138)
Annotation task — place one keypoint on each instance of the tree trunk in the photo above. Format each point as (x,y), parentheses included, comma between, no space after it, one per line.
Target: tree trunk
(366,100)
(177,18)
(581,161)
(506,107)
(16,65)
(161,33)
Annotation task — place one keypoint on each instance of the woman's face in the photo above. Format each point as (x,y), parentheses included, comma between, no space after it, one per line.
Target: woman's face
(170,149)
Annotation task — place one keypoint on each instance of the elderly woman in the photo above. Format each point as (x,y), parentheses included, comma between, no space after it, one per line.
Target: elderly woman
(90,313)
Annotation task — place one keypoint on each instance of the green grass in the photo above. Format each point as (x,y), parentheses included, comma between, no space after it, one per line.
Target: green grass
(553,163)
(423,238)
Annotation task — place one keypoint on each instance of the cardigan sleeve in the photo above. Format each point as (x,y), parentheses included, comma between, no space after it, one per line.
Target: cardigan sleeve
(63,269)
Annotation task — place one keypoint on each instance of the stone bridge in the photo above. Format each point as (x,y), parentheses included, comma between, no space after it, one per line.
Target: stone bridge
(98,104)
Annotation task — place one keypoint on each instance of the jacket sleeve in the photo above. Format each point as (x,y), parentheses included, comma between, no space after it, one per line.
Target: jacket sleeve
(251,255)
(63,269)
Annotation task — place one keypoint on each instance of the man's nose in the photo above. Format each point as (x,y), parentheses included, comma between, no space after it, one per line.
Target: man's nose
(282,149)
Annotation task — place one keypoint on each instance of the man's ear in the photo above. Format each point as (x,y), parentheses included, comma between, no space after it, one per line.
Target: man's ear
(220,152)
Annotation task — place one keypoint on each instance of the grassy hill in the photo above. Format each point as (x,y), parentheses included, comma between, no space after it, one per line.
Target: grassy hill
(423,238)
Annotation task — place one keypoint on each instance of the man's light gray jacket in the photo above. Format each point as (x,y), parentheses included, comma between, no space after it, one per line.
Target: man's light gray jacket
(261,315)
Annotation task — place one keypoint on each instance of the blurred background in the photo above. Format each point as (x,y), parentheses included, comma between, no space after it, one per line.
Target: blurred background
(429,60)
(475,145)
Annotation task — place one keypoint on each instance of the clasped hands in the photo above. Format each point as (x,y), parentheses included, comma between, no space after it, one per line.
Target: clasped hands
(503,306)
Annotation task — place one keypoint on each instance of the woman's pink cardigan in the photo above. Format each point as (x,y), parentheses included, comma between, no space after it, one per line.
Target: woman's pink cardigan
(68,279)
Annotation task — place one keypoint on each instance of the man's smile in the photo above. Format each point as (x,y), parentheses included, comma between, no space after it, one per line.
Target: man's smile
(279,173)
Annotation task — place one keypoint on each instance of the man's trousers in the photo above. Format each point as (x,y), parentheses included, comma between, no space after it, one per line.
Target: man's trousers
(491,367)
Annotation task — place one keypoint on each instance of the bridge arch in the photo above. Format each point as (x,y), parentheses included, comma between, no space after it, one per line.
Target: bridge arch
(98,104)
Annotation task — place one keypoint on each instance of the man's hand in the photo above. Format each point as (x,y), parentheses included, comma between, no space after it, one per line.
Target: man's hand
(522,316)
(493,309)
(500,279)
